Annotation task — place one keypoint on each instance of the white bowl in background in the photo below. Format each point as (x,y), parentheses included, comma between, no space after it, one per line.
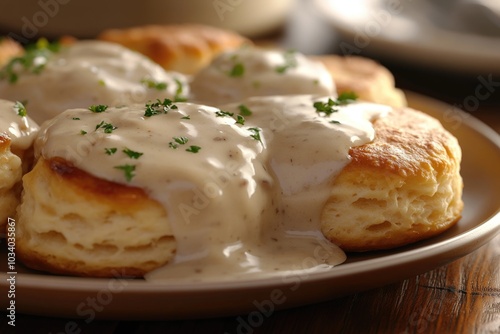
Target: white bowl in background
(29,19)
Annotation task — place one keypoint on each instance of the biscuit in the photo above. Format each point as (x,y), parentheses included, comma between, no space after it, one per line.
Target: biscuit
(10,177)
(253,71)
(367,78)
(17,133)
(184,48)
(85,73)
(403,187)
(73,223)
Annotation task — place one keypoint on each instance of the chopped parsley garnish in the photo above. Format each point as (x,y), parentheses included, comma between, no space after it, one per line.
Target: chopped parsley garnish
(150,83)
(132,154)
(240,120)
(186,117)
(221,113)
(128,170)
(335,122)
(178,92)
(256,134)
(193,149)
(20,109)
(159,107)
(102,83)
(33,60)
(328,108)
(98,108)
(347,97)
(107,127)
(83,132)
(76,118)
(237,71)
(290,62)
(110,151)
(244,110)
(178,141)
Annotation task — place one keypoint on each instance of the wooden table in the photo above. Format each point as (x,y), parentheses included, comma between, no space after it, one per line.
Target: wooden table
(461,297)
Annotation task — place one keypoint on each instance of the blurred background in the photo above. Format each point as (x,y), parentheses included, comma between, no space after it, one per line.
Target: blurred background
(443,48)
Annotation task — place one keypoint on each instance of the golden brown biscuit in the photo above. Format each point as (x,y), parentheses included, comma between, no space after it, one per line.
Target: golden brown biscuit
(403,187)
(73,223)
(368,79)
(17,133)
(183,48)
(10,177)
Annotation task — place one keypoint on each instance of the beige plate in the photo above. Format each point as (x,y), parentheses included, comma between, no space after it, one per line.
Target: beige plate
(120,298)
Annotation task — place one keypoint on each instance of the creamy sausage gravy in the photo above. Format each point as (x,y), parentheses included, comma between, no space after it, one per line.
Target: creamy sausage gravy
(20,129)
(248,72)
(244,194)
(90,72)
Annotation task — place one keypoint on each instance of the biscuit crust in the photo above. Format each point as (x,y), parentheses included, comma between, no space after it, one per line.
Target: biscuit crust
(403,187)
(184,48)
(71,222)
(10,181)
(368,79)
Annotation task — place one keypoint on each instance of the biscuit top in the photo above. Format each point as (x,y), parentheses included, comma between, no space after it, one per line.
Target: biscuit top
(14,123)
(238,183)
(85,73)
(251,71)
(185,48)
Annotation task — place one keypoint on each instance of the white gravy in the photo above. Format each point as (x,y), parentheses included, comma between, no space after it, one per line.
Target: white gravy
(91,72)
(21,130)
(240,207)
(248,72)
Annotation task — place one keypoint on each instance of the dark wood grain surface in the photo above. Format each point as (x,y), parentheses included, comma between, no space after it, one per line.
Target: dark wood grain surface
(461,297)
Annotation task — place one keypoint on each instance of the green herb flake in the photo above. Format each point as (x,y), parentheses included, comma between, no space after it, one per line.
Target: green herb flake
(76,118)
(83,132)
(193,149)
(132,154)
(256,134)
(178,92)
(101,83)
(110,151)
(20,109)
(186,117)
(178,141)
(238,70)
(128,170)
(244,110)
(150,83)
(328,108)
(221,113)
(33,60)
(335,122)
(98,108)
(347,97)
(107,127)
(159,107)
(240,120)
